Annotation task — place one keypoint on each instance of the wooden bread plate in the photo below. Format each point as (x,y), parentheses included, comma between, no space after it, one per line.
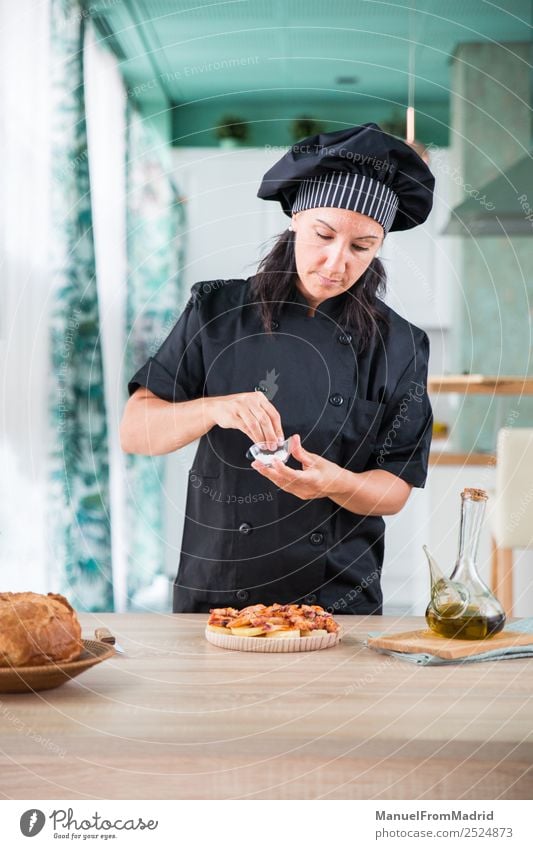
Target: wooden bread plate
(271,644)
(428,642)
(23,679)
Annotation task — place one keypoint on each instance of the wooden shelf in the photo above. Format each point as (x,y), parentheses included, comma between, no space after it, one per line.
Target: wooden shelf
(481,384)
(455,458)
(475,384)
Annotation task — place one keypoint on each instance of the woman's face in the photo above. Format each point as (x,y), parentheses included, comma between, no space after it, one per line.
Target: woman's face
(333,248)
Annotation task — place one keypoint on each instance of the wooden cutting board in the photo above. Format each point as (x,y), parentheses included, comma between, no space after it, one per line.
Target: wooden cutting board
(429,642)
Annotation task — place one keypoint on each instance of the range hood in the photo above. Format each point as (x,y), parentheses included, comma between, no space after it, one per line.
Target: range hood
(502,207)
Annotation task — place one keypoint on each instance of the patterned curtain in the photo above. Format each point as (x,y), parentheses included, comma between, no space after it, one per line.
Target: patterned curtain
(79,520)
(155,224)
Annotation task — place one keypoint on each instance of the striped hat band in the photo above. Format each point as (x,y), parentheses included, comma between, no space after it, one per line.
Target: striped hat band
(349,190)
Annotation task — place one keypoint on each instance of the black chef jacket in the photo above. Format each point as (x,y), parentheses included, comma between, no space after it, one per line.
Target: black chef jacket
(246,541)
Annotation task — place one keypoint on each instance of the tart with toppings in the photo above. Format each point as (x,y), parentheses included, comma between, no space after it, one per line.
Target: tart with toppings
(275,621)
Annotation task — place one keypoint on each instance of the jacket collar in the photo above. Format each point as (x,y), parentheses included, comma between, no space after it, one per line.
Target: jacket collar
(330,308)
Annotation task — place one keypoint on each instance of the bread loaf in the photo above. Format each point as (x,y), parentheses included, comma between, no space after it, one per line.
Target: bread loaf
(37,629)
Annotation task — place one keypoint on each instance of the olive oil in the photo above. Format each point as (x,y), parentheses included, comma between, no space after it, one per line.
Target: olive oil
(471,625)
(462,606)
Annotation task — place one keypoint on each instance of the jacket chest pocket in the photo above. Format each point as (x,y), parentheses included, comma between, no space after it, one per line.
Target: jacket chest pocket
(360,433)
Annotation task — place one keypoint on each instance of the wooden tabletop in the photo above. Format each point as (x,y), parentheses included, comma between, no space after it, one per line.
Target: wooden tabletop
(177,718)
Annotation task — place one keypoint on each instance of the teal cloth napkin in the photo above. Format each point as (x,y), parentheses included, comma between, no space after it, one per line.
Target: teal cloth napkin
(424,659)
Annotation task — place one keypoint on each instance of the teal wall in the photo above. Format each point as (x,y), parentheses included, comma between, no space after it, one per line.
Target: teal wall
(491,129)
(270,119)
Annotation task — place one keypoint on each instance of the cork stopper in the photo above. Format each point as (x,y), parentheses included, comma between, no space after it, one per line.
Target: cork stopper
(474,494)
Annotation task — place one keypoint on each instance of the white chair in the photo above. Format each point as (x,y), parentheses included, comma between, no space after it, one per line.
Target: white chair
(512,509)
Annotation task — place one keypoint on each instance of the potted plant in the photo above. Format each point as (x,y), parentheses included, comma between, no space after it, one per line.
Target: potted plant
(395,124)
(305,126)
(231,131)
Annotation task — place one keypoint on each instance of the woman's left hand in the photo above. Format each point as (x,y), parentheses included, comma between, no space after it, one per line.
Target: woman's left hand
(316,479)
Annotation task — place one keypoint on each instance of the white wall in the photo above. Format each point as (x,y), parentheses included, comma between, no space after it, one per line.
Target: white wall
(25,236)
(24,241)
(423,271)
(227,223)
(106,130)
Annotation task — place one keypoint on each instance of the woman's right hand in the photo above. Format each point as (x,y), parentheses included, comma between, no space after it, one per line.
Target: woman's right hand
(250,412)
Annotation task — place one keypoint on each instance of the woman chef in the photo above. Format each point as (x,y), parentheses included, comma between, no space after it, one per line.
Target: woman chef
(302,349)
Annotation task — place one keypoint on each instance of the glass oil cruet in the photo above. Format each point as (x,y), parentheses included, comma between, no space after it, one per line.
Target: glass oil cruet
(462,606)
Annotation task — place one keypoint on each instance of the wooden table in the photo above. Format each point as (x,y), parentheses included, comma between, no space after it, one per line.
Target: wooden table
(177,718)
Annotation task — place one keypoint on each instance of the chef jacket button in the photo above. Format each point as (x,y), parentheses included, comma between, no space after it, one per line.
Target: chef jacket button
(245,528)
(274,324)
(337,400)
(316,538)
(242,595)
(345,338)
(310,599)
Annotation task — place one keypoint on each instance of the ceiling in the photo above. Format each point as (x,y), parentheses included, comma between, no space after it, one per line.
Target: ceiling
(191,53)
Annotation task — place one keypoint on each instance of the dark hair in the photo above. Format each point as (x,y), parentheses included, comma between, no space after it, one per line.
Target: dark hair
(276,277)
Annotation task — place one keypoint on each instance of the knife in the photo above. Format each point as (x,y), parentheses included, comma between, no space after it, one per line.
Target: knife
(104,635)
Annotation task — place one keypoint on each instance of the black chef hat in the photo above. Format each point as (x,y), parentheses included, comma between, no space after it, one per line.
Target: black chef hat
(361,168)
